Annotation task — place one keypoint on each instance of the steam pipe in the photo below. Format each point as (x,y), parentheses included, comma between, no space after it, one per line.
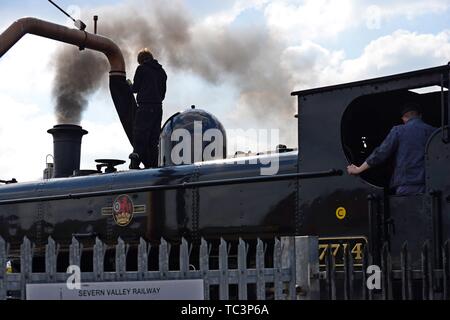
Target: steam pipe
(61,33)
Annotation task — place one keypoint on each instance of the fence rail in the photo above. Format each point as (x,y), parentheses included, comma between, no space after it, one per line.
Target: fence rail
(276,280)
(286,268)
(399,280)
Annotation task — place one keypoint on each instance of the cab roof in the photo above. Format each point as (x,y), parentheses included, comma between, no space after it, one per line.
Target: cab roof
(373,81)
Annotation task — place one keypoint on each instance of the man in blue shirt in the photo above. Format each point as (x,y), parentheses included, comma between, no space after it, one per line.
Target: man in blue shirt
(407,144)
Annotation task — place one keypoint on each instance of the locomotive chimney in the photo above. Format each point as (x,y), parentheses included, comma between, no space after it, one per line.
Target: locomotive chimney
(66,149)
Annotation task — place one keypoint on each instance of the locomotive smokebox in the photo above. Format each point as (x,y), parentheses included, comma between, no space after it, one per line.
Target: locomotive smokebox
(66,148)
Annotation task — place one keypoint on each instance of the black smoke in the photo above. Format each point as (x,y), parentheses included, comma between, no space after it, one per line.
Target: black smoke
(247,57)
(77,76)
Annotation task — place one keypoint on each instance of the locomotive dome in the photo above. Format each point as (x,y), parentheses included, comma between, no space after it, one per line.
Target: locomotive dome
(194,121)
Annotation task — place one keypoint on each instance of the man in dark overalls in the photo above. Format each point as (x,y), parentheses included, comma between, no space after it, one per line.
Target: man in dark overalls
(150,85)
(407,143)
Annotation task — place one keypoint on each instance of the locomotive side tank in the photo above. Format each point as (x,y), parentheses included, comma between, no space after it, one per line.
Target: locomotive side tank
(83,207)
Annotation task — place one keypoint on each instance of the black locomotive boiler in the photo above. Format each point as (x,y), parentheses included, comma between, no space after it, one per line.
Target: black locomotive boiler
(225,198)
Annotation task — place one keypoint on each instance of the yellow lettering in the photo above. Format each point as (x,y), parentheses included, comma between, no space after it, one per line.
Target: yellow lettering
(323,250)
(336,247)
(357,250)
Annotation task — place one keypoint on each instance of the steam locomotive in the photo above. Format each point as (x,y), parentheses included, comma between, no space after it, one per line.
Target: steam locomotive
(225,198)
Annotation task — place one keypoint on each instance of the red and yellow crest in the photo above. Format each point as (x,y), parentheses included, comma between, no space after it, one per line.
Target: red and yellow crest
(123,210)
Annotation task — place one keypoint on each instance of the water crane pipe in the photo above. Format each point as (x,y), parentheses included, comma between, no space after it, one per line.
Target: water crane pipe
(61,33)
(120,91)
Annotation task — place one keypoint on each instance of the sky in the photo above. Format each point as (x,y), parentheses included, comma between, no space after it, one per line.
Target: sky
(241,62)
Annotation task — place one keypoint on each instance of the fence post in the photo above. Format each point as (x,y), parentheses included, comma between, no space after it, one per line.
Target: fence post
(288,262)
(330,270)
(307,267)
(260,279)
(164,252)
(406,273)
(121,260)
(367,261)
(142,259)
(184,258)
(348,274)
(50,260)
(446,269)
(242,269)
(75,251)
(278,280)
(223,269)
(3,257)
(99,259)
(26,265)
(386,271)
(427,272)
(204,266)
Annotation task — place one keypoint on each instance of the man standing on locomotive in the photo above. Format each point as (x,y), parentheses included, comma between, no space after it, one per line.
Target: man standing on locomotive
(407,144)
(150,85)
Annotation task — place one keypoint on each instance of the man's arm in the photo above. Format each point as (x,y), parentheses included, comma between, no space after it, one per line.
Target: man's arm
(164,85)
(137,80)
(354,170)
(379,155)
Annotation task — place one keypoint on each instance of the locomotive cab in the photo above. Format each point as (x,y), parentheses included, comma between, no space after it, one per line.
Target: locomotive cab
(365,124)
(357,117)
(368,119)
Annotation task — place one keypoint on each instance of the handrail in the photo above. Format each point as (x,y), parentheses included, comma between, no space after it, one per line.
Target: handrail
(185,185)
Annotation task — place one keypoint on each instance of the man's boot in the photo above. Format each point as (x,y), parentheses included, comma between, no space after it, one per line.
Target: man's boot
(135,161)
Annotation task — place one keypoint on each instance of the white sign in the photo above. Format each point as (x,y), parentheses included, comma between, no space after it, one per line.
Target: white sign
(139,290)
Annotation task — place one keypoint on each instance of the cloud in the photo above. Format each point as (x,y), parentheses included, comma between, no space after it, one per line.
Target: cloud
(27,110)
(309,19)
(296,21)
(226,17)
(400,51)
(25,142)
(376,14)
(24,69)
(412,9)
(104,141)
(309,62)
(23,139)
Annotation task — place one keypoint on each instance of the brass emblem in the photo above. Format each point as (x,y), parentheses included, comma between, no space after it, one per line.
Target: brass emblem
(123,210)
